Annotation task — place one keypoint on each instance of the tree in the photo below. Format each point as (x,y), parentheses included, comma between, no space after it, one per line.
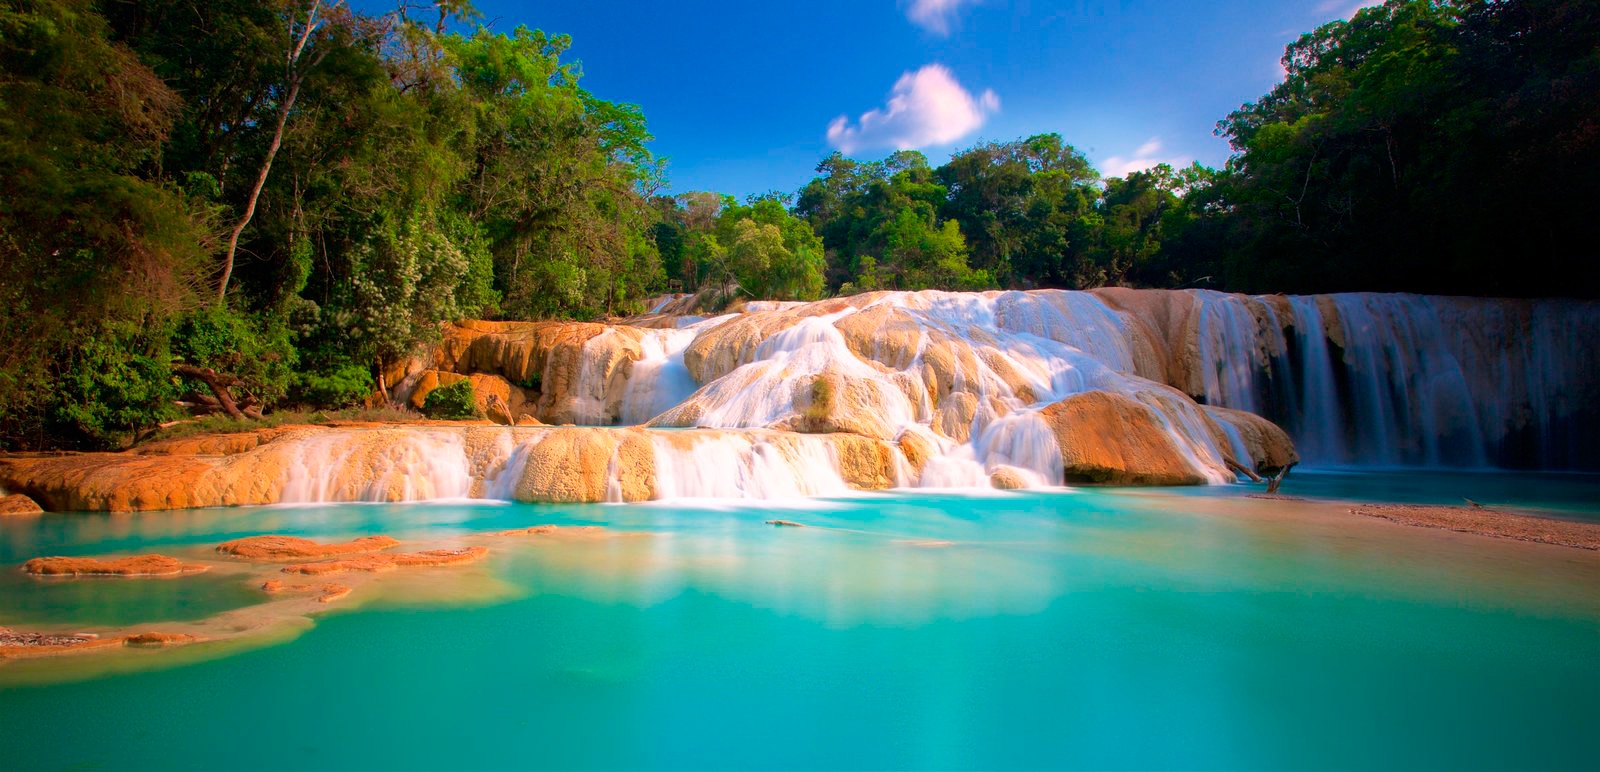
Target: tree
(1018,202)
(296,65)
(559,180)
(1384,158)
(98,256)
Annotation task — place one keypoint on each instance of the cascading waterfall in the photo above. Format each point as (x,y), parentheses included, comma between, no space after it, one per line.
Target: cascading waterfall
(1318,423)
(380,465)
(1232,344)
(745,467)
(589,403)
(1355,379)
(659,379)
(1394,379)
(761,393)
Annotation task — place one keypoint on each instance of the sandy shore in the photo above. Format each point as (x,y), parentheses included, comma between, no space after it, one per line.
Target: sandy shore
(1489,522)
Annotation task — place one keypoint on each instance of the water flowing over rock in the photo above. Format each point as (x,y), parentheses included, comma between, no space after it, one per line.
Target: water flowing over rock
(930,389)
(1412,380)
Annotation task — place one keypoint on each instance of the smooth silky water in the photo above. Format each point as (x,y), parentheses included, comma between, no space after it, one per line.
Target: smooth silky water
(1096,628)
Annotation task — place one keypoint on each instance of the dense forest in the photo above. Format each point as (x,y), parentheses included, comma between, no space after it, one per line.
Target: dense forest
(248,205)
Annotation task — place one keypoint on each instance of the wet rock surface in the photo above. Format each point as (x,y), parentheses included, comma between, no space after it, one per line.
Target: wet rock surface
(284,548)
(325,592)
(378,562)
(18,504)
(133,566)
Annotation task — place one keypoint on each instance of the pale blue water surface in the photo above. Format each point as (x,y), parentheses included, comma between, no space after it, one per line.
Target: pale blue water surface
(1090,629)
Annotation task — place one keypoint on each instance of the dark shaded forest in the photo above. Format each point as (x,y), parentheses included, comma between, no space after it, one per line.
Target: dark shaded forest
(252,205)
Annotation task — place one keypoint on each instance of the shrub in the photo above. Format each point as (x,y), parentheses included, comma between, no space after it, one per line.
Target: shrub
(344,386)
(254,348)
(821,400)
(115,383)
(451,402)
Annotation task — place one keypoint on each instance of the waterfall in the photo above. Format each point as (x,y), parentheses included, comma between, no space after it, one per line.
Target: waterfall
(737,466)
(659,379)
(377,465)
(1318,425)
(491,463)
(964,380)
(1411,380)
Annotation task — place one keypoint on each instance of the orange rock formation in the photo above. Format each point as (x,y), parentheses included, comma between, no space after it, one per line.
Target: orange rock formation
(376,562)
(286,548)
(136,565)
(18,504)
(326,592)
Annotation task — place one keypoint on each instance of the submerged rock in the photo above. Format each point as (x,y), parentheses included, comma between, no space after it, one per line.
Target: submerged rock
(326,592)
(284,548)
(554,530)
(19,645)
(159,640)
(133,566)
(389,561)
(1489,522)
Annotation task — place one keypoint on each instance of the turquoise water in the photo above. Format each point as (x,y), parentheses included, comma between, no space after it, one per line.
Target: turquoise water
(1097,629)
(1574,495)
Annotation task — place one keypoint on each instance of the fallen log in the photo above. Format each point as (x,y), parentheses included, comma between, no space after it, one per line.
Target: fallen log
(217,382)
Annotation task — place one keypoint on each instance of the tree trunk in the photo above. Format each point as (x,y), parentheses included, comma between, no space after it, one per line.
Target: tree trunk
(255,192)
(1277,479)
(295,76)
(1242,470)
(383,388)
(219,386)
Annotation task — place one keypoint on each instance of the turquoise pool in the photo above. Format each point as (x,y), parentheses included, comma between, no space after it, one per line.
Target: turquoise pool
(1093,629)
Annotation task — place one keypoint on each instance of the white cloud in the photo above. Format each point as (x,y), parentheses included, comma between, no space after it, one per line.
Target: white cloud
(934,15)
(1145,156)
(926,107)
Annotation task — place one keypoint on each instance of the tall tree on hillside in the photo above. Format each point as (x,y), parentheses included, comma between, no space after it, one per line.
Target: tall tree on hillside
(302,26)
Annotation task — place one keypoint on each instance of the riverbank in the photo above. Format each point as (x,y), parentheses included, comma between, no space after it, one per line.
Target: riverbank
(1489,522)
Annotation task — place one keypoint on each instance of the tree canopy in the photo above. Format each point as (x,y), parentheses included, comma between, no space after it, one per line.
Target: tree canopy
(280,197)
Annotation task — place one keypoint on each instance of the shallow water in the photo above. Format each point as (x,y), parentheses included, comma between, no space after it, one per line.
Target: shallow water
(1093,629)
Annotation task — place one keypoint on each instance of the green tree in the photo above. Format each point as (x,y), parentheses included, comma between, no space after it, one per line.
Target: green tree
(558,179)
(1385,158)
(98,255)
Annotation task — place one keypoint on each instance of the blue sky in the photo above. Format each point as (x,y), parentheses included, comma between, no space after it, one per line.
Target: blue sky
(745,97)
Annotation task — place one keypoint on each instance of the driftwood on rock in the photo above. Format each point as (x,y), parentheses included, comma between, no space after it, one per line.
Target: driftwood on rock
(1277,479)
(1241,469)
(219,384)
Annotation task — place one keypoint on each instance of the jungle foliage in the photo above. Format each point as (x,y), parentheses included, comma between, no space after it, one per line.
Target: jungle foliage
(249,205)
(278,197)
